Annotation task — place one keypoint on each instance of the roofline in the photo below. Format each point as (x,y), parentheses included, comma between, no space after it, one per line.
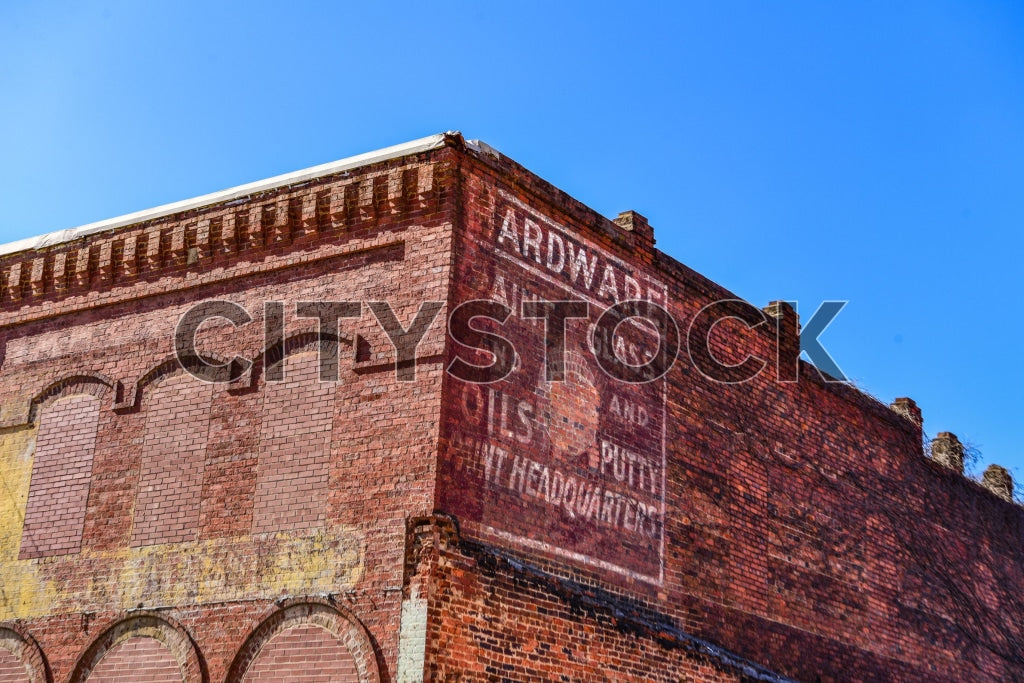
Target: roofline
(395,151)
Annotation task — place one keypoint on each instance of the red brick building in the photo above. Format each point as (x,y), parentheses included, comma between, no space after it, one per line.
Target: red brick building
(399,522)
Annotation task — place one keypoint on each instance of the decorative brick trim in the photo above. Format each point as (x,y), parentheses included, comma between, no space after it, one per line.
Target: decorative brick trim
(277,353)
(92,383)
(223,235)
(16,640)
(25,413)
(144,625)
(130,397)
(299,342)
(299,611)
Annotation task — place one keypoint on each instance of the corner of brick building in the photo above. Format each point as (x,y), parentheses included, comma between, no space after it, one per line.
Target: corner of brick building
(806,532)
(385,530)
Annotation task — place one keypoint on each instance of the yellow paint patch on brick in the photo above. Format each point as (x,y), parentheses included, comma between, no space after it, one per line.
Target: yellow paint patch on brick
(21,591)
(16,449)
(196,572)
(192,573)
(266,565)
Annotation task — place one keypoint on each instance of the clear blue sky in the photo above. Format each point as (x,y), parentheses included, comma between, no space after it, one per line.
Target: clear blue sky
(872,152)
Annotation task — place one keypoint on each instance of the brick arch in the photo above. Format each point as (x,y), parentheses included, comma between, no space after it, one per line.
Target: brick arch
(303,619)
(294,344)
(132,639)
(128,397)
(18,648)
(276,354)
(92,383)
(165,369)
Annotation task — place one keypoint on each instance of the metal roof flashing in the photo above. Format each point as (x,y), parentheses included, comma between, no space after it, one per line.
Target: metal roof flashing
(387,153)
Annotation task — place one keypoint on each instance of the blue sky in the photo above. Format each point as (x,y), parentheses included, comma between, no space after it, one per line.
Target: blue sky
(870,152)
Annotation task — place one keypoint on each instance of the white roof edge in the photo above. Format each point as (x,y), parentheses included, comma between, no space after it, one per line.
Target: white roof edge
(330,168)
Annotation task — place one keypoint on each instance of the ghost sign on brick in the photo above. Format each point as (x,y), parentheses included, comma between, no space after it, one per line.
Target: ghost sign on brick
(571,465)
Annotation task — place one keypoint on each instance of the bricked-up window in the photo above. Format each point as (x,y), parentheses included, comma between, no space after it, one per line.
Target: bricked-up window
(12,670)
(303,654)
(173,455)
(61,472)
(291,481)
(136,660)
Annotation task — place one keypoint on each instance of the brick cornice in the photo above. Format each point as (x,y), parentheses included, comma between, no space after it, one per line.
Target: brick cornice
(279,228)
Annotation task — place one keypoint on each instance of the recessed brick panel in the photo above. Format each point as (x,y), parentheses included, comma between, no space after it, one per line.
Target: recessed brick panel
(11,668)
(303,654)
(291,484)
(137,660)
(60,477)
(171,480)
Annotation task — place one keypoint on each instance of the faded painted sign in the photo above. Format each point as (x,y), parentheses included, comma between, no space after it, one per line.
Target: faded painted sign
(573,468)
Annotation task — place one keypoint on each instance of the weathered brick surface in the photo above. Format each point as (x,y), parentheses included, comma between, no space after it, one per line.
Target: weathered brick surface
(21,661)
(11,668)
(207,504)
(679,529)
(303,654)
(137,660)
(306,642)
(173,453)
(495,625)
(291,486)
(803,528)
(60,477)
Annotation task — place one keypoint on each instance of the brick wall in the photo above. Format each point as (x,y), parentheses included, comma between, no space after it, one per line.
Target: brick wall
(803,527)
(221,511)
(303,654)
(137,660)
(493,617)
(173,454)
(291,487)
(60,477)
(585,530)
(21,660)
(11,668)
